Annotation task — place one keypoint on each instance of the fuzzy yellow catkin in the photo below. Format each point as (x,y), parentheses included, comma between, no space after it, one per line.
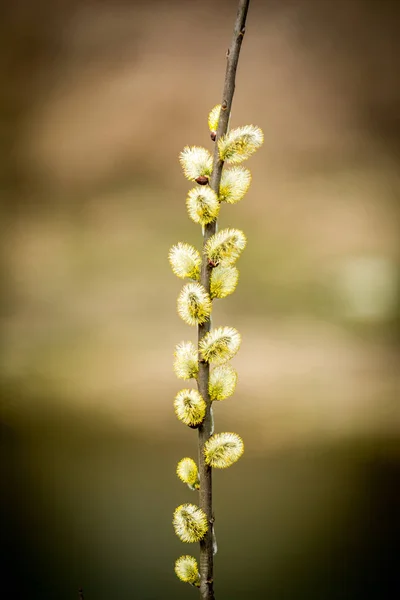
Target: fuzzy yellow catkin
(188,472)
(222,382)
(223,281)
(186,365)
(240,143)
(190,523)
(185,261)
(213,118)
(222,450)
(202,205)
(194,304)
(235,183)
(190,407)
(220,345)
(187,570)
(196,162)
(225,247)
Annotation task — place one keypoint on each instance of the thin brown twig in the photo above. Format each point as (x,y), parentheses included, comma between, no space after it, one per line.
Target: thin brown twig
(205,493)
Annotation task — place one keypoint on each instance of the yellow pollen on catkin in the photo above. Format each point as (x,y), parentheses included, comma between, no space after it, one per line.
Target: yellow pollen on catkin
(202,205)
(225,247)
(222,382)
(220,345)
(190,407)
(240,143)
(186,364)
(221,450)
(223,281)
(235,182)
(187,570)
(188,472)
(196,162)
(190,523)
(194,304)
(185,261)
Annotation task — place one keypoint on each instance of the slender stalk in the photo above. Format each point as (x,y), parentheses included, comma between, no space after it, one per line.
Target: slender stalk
(205,493)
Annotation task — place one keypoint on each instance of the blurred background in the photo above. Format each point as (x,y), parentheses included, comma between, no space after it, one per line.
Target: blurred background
(97,100)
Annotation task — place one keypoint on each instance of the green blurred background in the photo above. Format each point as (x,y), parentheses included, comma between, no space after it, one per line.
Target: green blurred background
(98,99)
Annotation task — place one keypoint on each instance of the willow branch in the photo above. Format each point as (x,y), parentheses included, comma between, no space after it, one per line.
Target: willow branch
(205,493)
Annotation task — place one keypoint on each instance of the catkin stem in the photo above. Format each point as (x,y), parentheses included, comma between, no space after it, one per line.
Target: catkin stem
(205,493)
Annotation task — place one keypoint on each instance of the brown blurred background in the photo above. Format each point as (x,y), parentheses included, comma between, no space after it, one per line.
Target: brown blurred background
(97,99)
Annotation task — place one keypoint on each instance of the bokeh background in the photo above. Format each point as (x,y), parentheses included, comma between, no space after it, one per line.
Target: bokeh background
(97,100)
